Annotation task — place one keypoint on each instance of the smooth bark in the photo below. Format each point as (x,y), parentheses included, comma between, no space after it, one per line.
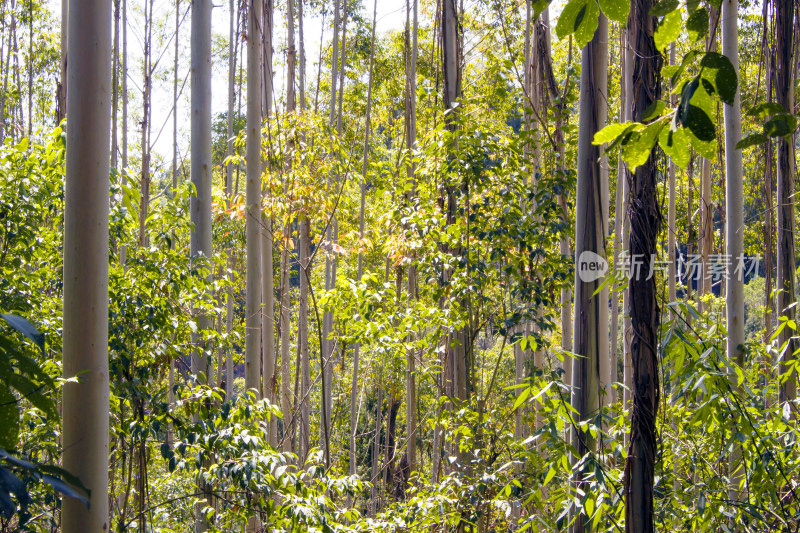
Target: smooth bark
(85,435)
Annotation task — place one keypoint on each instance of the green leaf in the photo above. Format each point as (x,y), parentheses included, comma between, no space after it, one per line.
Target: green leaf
(521,398)
(539,6)
(687,60)
(9,419)
(654,110)
(26,328)
(65,489)
(616,10)
(637,149)
(700,125)
(34,393)
(579,17)
(676,145)
(611,132)
(664,7)
(668,30)
(765,110)
(780,125)
(725,80)
(550,475)
(751,140)
(697,24)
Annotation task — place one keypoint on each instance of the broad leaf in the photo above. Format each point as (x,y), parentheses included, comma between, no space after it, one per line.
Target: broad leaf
(9,419)
(765,109)
(676,145)
(654,110)
(611,132)
(637,149)
(539,6)
(26,328)
(751,140)
(724,75)
(700,124)
(668,30)
(664,7)
(616,10)
(697,24)
(780,125)
(579,17)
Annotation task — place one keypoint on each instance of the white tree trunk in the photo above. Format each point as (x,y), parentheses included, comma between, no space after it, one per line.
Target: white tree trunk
(672,290)
(626,225)
(200,171)
(253,223)
(411,128)
(734,226)
(268,369)
(85,329)
(232,51)
(591,319)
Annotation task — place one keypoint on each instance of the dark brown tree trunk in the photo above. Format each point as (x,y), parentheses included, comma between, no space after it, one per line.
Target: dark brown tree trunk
(784,23)
(645,222)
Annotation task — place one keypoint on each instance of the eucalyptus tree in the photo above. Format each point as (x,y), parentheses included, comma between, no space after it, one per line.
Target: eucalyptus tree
(289,422)
(253,199)
(147,87)
(331,264)
(619,215)
(591,212)
(644,312)
(734,222)
(411,141)
(268,368)
(200,174)
(61,84)
(786,262)
(354,397)
(86,393)
(706,185)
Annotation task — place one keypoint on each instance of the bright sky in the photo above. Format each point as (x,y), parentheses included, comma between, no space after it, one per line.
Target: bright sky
(391,16)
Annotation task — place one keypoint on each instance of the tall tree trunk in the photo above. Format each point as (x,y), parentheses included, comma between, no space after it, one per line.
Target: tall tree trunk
(289,422)
(784,90)
(619,215)
(305,375)
(734,226)
(411,142)
(123,252)
(360,268)
(115,87)
(85,435)
(451,61)
(268,368)
(61,86)
(342,66)
(233,45)
(253,223)
(627,366)
(4,69)
(645,220)
(769,222)
(85,329)
(672,290)
(330,263)
(200,173)
(376,448)
(302,58)
(30,68)
(146,112)
(706,200)
(591,318)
